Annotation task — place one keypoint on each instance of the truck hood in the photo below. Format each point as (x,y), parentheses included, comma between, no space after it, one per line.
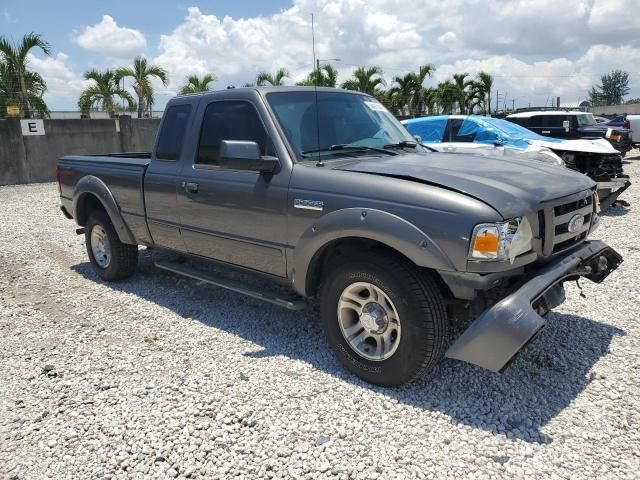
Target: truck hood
(599,145)
(511,186)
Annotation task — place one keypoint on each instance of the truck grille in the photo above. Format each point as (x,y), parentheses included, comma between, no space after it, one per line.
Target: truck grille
(559,223)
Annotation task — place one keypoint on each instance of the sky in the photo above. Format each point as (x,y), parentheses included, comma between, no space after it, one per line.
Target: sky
(535,49)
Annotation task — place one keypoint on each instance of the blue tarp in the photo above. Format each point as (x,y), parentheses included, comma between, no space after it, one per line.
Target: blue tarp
(479,129)
(430,129)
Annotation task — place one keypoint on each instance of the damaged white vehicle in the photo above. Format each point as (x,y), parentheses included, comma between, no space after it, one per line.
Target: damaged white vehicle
(492,136)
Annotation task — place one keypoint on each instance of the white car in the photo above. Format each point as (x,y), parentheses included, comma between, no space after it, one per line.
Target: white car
(634,125)
(476,134)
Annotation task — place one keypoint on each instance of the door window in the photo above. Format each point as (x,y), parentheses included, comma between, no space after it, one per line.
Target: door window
(462,130)
(171,135)
(230,120)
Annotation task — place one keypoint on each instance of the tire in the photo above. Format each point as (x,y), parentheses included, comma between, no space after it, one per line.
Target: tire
(117,260)
(421,332)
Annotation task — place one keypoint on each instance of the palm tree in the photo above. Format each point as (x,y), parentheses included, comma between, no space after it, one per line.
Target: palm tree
(420,93)
(102,92)
(27,86)
(430,99)
(141,73)
(446,95)
(326,76)
(196,84)
(366,79)
(409,94)
(482,89)
(402,94)
(9,94)
(462,91)
(275,80)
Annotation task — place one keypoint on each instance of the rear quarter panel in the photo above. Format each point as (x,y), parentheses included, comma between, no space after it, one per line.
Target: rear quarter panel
(123,177)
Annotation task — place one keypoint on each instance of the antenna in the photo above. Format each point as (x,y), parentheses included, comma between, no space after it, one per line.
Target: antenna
(315,88)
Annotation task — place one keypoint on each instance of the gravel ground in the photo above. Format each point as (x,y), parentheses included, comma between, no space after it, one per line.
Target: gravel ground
(159,377)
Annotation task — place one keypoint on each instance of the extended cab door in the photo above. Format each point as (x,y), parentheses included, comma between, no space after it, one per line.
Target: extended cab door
(163,176)
(234,216)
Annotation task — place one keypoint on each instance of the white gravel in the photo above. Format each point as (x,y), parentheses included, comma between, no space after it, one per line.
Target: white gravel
(159,377)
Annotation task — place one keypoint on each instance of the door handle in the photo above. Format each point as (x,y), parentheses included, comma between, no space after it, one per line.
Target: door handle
(449,148)
(190,187)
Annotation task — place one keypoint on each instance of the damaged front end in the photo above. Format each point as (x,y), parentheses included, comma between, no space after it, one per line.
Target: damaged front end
(497,334)
(603,168)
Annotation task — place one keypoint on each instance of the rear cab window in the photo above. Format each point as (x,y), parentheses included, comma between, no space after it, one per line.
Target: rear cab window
(171,136)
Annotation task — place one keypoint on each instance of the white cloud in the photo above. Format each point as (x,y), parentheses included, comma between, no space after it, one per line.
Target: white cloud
(615,15)
(107,38)
(8,17)
(448,40)
(63,85)
(535,48)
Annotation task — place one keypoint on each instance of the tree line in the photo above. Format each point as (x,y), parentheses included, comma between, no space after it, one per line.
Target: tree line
(22,89)
(405,95)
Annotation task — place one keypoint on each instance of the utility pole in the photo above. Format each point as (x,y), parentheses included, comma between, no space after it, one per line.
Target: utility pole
(497,99)
(513,104)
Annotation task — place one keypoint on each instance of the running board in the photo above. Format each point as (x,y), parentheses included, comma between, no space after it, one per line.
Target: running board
(180,269)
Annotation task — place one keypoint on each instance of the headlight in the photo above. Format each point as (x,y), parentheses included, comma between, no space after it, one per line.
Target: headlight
(548,156)
(501,241)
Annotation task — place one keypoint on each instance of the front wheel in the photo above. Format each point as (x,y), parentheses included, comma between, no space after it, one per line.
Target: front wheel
(385,319)
(110,258)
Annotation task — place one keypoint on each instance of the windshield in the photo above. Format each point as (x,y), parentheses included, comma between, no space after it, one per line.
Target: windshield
(585,119)
(340,118)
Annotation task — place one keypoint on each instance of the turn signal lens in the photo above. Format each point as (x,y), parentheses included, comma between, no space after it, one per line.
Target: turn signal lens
(503,241)
(486,242)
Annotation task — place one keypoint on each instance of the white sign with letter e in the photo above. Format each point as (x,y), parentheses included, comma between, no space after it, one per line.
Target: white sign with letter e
(32,127)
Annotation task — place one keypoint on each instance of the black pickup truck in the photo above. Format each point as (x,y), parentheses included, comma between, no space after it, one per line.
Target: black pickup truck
(326,193)
(574,125)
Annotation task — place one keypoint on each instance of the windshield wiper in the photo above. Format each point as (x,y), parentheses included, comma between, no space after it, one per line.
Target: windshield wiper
(402,144)
(344,147)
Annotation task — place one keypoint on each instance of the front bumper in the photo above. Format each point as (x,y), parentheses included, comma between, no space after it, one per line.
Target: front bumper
(493,339)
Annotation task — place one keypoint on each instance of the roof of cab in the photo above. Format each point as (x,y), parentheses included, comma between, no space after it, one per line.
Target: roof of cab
(267,89)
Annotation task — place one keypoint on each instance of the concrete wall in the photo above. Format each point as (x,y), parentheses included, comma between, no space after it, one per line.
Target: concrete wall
(610,110)
(27,159)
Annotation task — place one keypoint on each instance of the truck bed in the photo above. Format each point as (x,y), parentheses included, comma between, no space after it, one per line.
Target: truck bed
(123,175)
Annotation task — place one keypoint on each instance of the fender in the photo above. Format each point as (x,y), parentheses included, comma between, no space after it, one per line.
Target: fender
(372,224)
(91,185)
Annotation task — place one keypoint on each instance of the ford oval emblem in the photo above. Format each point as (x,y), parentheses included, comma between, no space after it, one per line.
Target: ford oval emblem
(575,223)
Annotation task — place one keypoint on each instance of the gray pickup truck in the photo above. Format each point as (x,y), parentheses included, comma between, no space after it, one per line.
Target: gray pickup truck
(325,192)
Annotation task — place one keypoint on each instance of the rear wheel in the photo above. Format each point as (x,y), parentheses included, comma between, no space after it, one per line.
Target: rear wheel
(384,319)
(110,258)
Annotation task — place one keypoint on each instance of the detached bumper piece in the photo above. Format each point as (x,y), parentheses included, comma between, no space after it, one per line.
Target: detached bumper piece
(610,191)
(493,339)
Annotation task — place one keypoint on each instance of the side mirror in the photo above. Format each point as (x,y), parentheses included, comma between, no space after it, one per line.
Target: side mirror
(566,124)
(241,155)
(418,139)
